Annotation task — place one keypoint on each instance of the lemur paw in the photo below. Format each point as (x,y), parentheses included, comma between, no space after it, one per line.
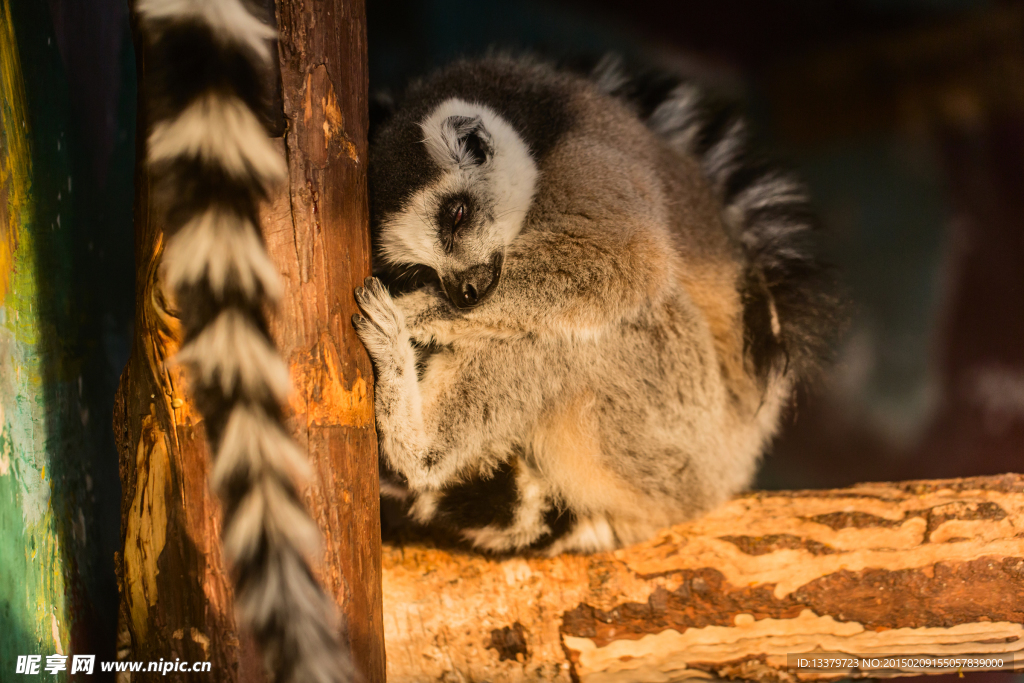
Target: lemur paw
(382,326)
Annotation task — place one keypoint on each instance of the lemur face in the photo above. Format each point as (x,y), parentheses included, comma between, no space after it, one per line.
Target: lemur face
(460,223)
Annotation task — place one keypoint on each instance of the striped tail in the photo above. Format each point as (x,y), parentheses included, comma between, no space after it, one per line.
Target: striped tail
(211,163)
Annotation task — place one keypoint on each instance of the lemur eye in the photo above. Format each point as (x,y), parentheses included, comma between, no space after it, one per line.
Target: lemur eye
(457,215)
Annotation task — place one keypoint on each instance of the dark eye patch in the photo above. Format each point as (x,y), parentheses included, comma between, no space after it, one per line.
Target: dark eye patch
(455,213)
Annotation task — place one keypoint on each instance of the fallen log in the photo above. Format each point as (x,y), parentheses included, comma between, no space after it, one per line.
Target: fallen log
(911,568)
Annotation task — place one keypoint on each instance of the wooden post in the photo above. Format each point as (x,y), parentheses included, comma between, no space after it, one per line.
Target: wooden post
(318,232)
(914,568)
(175,594)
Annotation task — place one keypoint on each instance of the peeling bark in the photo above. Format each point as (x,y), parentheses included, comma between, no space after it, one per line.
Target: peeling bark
(934,567)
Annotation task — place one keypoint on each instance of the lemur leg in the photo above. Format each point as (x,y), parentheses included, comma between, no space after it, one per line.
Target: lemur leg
(427,434)
(570,284)
(398,409)
(430,431)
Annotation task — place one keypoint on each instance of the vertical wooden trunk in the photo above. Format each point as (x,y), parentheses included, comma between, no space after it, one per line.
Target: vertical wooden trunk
(176,597)
(318,232)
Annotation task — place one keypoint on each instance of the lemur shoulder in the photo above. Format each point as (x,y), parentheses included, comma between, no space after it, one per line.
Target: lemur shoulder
(623,300)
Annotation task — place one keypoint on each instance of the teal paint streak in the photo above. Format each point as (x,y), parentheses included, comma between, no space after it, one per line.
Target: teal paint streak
(63,340)
(32,595)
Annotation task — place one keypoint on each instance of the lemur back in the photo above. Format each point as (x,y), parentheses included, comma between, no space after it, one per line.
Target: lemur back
(622,304)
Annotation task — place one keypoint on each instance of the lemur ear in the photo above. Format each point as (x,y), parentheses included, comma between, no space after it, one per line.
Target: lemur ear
(467,140)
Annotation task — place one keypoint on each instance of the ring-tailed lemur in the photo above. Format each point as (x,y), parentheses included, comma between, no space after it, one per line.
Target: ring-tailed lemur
(624,301)
(210,164)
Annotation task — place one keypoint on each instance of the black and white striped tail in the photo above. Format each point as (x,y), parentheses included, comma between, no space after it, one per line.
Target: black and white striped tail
(791,312)
(211,163)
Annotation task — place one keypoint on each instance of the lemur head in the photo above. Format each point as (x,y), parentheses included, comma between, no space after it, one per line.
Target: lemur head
(452,189)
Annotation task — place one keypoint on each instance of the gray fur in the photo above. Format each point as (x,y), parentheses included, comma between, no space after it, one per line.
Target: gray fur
(610,364)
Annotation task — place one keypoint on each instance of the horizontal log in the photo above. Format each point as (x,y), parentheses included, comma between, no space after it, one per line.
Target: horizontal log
(912,568)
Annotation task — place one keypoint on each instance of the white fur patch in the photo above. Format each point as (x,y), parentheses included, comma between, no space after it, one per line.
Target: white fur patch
(267,509)
(283,586)
(506,181)
(776,326)
(255,443)
(590,535)
(527,525)
(219,244)
(723,159)
(449,142)
(678,117)
(425,507)
(608,75)
(231,352)
(410,237)
(254,446)
(394,491)
(772,189)
(220,130)
(228,19)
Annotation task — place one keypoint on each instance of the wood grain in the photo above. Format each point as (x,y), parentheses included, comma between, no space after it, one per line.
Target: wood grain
(318,234)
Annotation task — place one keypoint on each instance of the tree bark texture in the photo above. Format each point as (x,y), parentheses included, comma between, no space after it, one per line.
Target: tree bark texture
(926,567)
(176,593)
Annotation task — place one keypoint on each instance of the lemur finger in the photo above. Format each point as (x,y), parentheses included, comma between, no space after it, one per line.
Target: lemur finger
(378,344)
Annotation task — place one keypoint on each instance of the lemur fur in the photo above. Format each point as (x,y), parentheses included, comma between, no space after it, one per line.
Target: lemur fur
(622,303)
(210,164)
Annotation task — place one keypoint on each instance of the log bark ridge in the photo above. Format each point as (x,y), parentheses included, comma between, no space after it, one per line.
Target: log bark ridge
(925,567)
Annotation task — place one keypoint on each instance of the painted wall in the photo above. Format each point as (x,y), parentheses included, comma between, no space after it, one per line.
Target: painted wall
(67,103)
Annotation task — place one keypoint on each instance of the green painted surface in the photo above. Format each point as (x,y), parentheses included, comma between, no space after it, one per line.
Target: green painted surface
(66,287)
(32,589)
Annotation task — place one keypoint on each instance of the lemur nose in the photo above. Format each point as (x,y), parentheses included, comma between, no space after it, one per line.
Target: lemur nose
(473,285)
(470,297)
(470,287)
